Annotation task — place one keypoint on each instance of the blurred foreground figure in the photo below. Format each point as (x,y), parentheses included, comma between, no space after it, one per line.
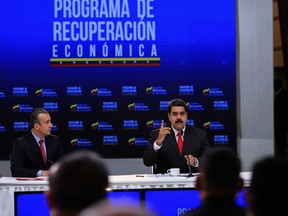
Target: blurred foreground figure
(280,118)
(79,182)
(267,194)
(75,182)
(219,184)
(107,209)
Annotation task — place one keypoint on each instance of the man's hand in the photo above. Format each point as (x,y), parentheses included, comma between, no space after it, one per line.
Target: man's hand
(45,173)
(190,159)
(162,133)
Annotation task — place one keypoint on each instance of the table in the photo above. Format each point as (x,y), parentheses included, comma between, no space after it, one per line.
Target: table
(8,185)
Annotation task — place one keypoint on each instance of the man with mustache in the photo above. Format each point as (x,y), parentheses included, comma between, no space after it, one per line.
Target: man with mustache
(34,153)
(163,151)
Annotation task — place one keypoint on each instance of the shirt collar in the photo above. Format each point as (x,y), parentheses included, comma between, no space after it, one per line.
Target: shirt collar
(36,137)
(176,131)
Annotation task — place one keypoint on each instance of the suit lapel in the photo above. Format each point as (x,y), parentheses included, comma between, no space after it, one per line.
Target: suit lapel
(188,139)
(35,146)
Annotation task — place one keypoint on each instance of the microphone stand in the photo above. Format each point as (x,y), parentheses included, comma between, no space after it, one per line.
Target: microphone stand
(188,163)
(190,172)
(189,166)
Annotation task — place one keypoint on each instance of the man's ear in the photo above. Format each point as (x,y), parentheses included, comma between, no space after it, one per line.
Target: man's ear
(36,125)
(49,199)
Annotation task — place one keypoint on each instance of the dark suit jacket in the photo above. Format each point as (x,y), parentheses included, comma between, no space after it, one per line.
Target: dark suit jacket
(26,158)
(221,205)
(281,122)
(168,156)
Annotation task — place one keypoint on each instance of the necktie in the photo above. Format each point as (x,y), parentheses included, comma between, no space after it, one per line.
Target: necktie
(42,150)
(180,141)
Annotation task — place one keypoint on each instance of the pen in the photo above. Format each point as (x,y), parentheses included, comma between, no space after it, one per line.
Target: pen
(139,175)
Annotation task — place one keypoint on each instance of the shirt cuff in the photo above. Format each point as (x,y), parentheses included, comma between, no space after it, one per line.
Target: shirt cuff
(156,147)
(196,164)
(39,173)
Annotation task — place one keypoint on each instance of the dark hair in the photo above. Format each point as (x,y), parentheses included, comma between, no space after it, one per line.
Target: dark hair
(220,167)
(177,102)
(80,179)
(34,116)
(269,187)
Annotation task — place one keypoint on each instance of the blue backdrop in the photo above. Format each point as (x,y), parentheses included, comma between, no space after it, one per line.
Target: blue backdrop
(106,70)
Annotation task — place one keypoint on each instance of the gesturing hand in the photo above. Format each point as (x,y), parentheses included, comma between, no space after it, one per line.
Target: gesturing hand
(162,133)
(190,159)
(45,173)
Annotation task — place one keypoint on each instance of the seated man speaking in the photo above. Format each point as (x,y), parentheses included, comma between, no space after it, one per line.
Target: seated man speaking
(176,145)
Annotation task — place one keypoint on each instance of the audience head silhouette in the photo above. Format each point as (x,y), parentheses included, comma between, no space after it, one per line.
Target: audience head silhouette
(75,182)
(219,183)
(220,169)
(107,209)
(267,194)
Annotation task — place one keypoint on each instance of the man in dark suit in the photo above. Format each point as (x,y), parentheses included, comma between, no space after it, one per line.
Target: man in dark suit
(163,151)
(280,118)
(28,159)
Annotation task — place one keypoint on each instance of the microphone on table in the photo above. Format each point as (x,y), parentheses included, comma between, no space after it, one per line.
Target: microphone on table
(188,163)
(190,172)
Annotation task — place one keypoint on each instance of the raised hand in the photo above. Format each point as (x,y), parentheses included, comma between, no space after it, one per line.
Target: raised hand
(163,131)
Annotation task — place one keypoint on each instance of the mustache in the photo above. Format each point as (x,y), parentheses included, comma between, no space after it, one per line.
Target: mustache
(179,121)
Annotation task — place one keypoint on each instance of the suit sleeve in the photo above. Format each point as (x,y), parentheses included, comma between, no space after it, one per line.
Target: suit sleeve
(150,155)
(17,161)
(205,146)
(56,153)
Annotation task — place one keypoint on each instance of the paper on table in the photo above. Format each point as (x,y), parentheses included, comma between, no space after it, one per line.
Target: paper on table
(42,178)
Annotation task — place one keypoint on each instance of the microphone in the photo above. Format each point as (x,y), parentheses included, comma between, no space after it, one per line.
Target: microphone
(188,163)
(190,172)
